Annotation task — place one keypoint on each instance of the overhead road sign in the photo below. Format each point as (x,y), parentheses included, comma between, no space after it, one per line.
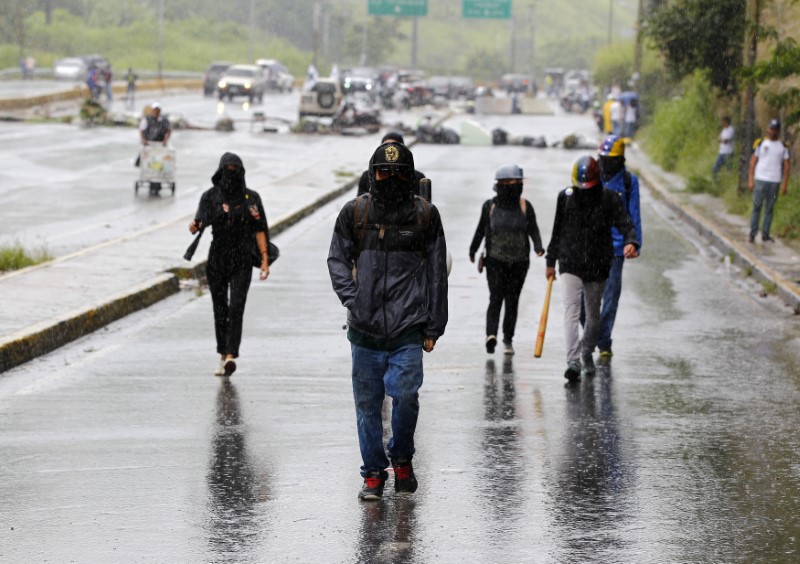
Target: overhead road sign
(397,7)
(494,9)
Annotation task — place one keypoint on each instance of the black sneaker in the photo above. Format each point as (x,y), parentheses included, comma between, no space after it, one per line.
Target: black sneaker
(404,479)
(767,239)
(573,372)
(751,238)
(588,364)
(372,490)
(491,343)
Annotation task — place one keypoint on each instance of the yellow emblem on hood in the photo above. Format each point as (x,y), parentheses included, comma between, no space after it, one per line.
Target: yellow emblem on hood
(392,154)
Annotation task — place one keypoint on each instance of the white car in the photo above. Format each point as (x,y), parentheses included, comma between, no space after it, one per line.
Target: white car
(71,68)
(242,80)
(278,76)
(322,100)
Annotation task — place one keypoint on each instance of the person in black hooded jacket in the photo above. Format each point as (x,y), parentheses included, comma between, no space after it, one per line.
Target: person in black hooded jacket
(240,231)
(388,266)
(508,223)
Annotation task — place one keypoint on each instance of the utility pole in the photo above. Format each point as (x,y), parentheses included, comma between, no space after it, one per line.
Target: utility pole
(252,33)
(160,38)
(637,50)
(315,34)
(749,104)
(363,59)
(414,43)
(532,65)
(513,49)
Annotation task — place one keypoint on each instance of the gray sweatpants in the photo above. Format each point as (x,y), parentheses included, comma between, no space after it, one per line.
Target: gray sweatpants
(592,294)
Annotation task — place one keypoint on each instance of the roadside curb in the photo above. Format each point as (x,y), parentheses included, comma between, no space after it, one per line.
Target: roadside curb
(45,337)
(787,290)
(49,335)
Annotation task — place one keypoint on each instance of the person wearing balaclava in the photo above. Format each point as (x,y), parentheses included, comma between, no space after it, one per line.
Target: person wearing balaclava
(388,266)
(615,177)
(389,137)
(239,225)
(507,223)
(583,247)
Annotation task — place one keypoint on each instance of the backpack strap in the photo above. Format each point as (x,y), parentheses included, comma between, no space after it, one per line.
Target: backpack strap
(361,218)
(627,180)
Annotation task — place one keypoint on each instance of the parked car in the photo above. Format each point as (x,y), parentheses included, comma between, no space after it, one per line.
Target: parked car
(462,87)
(71,68)
(512,83)
(323,99)
(441,86)
(213,75)
(278,76)
(243,80)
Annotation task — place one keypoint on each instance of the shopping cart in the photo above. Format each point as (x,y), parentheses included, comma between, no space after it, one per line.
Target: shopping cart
(156,168)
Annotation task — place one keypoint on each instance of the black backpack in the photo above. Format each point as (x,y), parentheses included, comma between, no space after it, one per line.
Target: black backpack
(361,220)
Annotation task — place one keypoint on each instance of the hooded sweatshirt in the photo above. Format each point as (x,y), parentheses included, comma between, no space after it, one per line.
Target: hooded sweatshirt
(582,242)
(235,214)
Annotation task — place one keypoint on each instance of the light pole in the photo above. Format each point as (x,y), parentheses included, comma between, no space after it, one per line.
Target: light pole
(610,19)
(160,38)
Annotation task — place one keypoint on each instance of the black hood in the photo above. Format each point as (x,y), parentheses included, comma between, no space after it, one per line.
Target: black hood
(230,182)
(227,159)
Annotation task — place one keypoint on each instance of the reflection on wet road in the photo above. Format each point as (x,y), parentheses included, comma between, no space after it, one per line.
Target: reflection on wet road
(237,485)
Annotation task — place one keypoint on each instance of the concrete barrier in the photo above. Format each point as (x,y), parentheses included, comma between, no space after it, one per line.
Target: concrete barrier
(82,91)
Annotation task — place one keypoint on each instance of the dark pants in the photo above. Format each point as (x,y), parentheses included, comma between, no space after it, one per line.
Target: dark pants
(505,285)
(228,285)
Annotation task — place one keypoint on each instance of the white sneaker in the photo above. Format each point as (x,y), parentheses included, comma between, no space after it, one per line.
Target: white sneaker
(508,349)
(220,371)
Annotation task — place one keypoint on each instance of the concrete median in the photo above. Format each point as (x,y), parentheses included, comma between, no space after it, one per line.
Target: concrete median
(47,336)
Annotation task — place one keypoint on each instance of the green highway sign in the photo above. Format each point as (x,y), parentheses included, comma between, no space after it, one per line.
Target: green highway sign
(397,7)
(497,9)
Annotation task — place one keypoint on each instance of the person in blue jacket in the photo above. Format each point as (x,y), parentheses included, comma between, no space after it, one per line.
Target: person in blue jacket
(614,176)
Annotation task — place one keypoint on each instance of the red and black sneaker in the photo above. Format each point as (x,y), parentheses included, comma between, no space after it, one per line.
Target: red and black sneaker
(404,479)
(372,490)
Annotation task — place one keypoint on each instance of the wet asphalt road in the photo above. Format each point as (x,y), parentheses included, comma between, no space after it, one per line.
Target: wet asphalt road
(123,448)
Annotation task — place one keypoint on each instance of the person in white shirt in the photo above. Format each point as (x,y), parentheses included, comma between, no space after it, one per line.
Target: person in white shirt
(769,170)
(725,146)
(631,117)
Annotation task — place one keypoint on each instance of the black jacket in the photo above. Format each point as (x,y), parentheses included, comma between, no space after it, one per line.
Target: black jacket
(401,279)
(582,242)
(234,219)
(531,228)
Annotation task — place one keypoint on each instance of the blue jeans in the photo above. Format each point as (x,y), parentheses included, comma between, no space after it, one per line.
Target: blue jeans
(398,374)
(722,160)
(764,194)
(608,311)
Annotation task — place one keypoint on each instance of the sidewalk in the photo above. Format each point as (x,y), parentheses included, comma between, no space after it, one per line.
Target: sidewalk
(49,305)
(775,265)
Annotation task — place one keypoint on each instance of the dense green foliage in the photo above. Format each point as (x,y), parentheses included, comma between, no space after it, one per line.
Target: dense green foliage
(701,34)
(566,34)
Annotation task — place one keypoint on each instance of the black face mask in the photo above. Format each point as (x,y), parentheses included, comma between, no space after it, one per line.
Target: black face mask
(509,194)
(392,190)
(610,166)
(232,182)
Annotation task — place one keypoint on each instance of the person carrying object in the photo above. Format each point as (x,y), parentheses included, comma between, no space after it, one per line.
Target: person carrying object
(582,245)
(239,226)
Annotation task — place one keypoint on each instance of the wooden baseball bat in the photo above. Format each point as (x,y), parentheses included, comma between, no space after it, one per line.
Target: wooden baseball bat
(543,320)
